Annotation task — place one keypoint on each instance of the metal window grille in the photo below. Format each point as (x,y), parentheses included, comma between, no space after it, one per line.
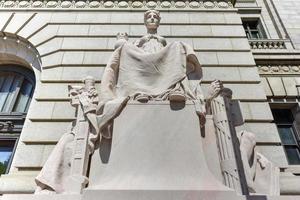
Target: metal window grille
(16,89)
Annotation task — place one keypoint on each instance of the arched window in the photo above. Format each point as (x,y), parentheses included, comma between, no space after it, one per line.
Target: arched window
(16,89)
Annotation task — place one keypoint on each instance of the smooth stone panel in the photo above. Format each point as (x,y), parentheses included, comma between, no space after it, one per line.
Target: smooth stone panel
(41,197)
(154,147)
(161,195)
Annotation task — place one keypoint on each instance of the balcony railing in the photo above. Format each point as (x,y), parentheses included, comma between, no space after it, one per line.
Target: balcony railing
(267,44)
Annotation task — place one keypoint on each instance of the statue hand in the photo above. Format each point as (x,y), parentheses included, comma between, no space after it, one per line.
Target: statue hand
(215,88)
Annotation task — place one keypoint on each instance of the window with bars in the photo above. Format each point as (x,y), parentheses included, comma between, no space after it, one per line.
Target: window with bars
(254,29)
(16,89)
(288,133)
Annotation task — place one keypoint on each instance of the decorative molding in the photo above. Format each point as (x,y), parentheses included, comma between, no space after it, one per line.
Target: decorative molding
(18,50)
(279,69)
(118,4)
(267,44)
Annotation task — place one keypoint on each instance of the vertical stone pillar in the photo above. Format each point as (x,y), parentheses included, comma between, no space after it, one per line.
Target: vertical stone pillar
(228,145)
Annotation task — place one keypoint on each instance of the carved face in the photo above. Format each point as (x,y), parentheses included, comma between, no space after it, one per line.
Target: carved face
(89,82)
(152,19)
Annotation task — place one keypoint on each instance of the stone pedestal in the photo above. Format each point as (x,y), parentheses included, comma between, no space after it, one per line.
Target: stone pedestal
(156,151)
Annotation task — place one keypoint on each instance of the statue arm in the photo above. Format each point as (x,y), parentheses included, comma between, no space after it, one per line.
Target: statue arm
(109,78)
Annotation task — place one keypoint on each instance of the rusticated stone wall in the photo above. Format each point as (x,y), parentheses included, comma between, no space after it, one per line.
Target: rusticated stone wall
(290,14)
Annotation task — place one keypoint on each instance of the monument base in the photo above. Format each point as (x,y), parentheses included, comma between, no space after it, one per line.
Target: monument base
(156,148)
(145,195)
(160,195)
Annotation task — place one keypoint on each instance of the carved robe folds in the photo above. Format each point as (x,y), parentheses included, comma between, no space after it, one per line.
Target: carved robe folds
(131,72)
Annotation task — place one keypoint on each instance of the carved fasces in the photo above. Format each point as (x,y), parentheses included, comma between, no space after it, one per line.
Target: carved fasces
(219,106)
(66,168)
(85,99)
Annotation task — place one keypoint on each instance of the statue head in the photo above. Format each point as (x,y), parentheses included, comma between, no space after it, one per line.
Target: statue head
(122,35)
(89,81)
(152,20)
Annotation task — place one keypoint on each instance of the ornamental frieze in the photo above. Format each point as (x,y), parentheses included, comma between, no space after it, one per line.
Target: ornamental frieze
(279,69)
(218,4)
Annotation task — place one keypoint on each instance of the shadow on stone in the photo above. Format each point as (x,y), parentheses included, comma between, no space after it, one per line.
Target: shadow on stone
(105,149)
(177,105)
(256,197)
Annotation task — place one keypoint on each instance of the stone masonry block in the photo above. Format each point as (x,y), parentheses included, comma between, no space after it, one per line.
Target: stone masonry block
(36,23)
(276,86)
(44,34)
(17,22)
(43,132)
(275,154)
(50,46)
(256,111)
(4,17)
(265,133)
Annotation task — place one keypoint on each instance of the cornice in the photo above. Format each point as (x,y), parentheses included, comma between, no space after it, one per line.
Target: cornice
(118,4)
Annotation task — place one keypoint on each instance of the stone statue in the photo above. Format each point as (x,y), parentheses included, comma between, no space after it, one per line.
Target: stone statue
(151,69)
(261,175)
(147,70)
(56,175)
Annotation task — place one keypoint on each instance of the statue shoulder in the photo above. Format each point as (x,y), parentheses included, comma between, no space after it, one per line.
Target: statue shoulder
(162,40)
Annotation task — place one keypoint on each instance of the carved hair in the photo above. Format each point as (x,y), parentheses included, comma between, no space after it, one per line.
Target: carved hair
(151,11)
(89,78)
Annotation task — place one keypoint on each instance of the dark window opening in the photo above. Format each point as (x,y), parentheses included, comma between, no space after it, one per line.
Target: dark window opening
(7,147)
(16,89)
(287,129)
(254,29)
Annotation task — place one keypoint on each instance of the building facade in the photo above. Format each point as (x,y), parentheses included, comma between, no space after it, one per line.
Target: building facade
(252,46)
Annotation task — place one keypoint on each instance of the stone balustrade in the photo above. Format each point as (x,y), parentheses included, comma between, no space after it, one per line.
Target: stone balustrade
(267,44)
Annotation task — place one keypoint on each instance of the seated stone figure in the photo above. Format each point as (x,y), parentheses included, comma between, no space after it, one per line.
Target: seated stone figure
(147,70)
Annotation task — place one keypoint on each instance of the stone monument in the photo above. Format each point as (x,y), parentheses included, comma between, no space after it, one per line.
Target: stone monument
(149,133)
